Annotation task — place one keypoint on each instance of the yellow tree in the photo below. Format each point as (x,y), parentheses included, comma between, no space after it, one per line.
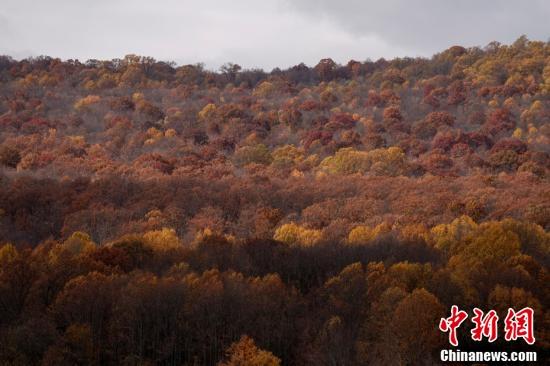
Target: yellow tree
(246,353)
(294,234)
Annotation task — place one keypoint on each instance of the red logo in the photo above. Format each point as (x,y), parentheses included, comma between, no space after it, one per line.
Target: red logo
(518,324)
(451,323)
(485,326)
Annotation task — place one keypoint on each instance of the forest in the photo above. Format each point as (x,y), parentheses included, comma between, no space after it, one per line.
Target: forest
(162,214)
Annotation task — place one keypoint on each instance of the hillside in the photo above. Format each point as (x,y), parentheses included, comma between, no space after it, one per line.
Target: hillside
(156,213)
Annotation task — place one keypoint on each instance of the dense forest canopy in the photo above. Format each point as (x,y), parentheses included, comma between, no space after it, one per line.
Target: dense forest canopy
(160,214)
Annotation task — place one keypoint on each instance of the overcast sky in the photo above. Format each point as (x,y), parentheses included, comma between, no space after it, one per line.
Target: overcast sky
(262,33)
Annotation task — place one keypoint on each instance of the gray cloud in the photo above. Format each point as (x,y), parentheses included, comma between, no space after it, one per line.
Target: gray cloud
(428,26)
(265,33)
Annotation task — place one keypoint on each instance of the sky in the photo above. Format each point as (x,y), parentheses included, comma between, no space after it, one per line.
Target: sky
(262,33)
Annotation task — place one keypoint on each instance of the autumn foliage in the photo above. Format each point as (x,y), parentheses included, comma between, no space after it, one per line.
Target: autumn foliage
(160,214)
